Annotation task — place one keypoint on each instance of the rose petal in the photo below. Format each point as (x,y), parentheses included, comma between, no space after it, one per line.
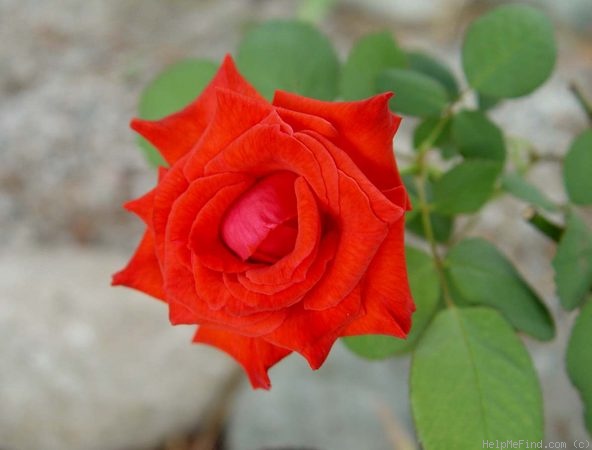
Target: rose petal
(142,207)
(142,271)
(205,240)
(188,205)
(361,235)
(278,243)
(169,189)
(312,333)
(264,149)
(388,304)
(293,267)
(254,354)
(243,301)
(187,306)
(222,291)
(176,134)
(383,206)
(235,114)
(306,122)
(365,131)
(264,208)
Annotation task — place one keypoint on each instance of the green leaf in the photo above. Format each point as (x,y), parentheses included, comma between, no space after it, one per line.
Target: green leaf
(509,52)
(514,184)
(483,276)
(292,56)
(579,360)
(573,263)
(416,94)
(423,280)
(426,64)
(485,102)
(466,187)
(427,127)
(477,136)
(473,380)
(370,56)
(172,90)
(577,169)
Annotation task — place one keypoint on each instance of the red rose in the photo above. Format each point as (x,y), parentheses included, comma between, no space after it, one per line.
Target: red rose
(278,227)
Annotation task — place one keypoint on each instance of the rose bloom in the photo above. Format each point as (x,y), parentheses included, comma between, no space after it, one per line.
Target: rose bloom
(277,227)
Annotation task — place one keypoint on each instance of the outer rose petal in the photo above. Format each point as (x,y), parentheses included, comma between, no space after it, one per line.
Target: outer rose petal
(235,115)
(176,134)
(365,131)
(143,271)
(388,304)
(188,307)
(254,354)
(142,207)
(312,333)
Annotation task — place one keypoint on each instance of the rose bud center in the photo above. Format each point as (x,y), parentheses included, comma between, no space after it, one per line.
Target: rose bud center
(262,224)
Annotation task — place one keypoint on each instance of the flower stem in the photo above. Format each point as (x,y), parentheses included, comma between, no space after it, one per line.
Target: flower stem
(542,224)
(424,206)
(582,100)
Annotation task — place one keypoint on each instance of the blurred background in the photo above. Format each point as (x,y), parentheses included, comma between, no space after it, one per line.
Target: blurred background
(86,366)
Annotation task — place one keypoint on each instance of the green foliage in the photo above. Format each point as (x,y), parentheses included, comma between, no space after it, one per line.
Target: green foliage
(442,225)
(577,169)
(483,276)
(292,56)
(478,137)
(509,52)
(421,62)
(466,187)
(416,94)
(423,280)
(369,57)
(429,126)
(573,263)
(473,380)
(173,89)
(485,102)
(579,360)
(516,185)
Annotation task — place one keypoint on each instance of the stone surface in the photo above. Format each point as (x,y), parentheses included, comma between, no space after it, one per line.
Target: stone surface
(86,366)
(348,404)
(70,78)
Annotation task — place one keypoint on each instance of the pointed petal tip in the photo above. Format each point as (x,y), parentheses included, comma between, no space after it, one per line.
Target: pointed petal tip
(384,96)
(260,382)
(228,61)
(315,359)
(138,124)
(116,279)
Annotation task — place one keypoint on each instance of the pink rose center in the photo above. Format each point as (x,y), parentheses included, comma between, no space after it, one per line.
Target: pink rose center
(262,224)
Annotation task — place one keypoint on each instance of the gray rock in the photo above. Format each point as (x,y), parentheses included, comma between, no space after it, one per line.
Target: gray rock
(86,366)
(348,404)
